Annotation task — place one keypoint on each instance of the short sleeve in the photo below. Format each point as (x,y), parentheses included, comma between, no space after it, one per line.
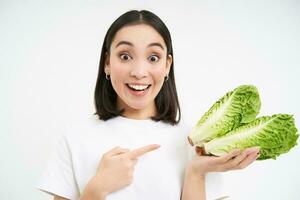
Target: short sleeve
(58,177)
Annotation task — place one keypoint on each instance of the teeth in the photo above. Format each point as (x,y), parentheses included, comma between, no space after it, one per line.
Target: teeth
(138,87)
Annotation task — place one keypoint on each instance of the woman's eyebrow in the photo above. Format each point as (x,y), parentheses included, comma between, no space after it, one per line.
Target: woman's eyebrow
(130,44)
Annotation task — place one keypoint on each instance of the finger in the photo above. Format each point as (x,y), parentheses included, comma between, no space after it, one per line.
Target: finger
(116,151)
(134,154)
(226,157)
(248,160)
(234,162)
(120,151)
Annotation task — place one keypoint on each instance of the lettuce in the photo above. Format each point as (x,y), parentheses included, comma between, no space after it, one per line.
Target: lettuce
(274,135)
(235,108)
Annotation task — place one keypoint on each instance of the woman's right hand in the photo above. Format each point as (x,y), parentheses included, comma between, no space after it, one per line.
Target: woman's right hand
(116,168)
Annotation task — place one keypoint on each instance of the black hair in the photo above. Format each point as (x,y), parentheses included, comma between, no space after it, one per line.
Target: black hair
(105,97)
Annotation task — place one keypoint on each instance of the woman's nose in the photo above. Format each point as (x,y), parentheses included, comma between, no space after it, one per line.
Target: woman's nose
(139,70)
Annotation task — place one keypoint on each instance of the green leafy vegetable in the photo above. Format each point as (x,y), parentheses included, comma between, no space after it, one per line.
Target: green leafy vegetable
(274,135)
(235,108)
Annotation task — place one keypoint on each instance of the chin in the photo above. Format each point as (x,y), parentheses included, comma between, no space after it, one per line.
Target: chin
(137,106)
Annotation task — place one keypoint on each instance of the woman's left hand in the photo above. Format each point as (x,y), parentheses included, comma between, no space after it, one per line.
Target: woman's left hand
(237,159)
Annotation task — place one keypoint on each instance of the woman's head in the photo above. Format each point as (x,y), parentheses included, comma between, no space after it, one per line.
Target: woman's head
(136,71)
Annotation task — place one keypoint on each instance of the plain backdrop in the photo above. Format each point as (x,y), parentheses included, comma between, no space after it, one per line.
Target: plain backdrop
(49,55)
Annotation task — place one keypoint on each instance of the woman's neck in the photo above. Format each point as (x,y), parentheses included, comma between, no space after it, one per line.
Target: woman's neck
(131,113)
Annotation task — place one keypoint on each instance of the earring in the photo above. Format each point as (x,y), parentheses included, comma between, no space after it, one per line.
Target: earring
(107,76)
(167,77)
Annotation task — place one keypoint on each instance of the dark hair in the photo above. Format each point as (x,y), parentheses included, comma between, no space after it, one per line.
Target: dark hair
(105,98)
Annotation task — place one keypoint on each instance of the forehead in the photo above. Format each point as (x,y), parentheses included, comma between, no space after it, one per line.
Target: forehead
(139,35)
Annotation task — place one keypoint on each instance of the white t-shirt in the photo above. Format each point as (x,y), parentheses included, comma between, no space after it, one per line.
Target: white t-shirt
(157,175)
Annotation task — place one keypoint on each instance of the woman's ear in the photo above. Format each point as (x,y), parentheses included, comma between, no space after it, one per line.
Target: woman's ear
(169,63)
(106,66)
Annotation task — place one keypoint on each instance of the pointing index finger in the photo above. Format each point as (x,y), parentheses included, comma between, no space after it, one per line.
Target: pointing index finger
(134,154)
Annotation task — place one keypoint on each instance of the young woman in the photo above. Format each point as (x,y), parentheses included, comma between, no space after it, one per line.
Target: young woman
(135,148)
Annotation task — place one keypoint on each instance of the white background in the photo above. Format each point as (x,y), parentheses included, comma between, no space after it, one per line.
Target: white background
(49,55)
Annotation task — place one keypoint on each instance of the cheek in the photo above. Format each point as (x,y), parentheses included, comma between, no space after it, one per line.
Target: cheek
(118,77)
(159,75)
(118,73)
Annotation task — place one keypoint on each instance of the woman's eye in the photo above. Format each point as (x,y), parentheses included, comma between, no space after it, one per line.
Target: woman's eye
(125,56)
(154,58)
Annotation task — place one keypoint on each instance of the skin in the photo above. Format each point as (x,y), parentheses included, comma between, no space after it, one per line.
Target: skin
(137,63)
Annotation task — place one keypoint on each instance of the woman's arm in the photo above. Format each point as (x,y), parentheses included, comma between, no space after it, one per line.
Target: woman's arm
(193,186)
(194,181)
(93,191)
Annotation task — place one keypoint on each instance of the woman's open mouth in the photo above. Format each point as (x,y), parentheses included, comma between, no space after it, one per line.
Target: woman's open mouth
(138,90)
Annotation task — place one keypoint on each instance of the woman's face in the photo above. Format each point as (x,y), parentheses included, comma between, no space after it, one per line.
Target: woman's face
(137,65)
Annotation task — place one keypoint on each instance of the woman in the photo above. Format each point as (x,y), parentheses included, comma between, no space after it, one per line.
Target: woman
(139,141)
